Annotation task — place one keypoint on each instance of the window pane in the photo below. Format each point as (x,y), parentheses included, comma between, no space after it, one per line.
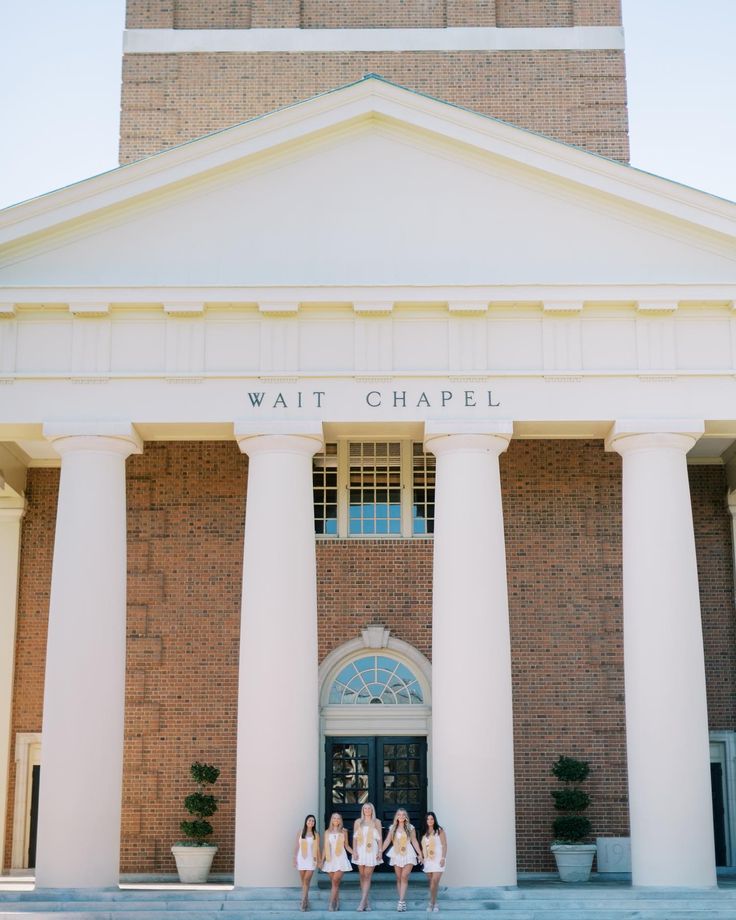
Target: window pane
(423,469)
(324,483)
(377,679)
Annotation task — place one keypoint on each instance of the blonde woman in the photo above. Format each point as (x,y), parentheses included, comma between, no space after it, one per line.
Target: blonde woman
(404,853)
(307,856)
(367,851)
(434,853)
(334,860)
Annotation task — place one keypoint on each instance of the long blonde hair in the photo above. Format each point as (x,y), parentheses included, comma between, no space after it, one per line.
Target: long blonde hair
(372,808)
(333,815)
(409,826)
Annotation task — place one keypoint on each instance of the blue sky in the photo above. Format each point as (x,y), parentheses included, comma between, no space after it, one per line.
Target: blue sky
(60,74)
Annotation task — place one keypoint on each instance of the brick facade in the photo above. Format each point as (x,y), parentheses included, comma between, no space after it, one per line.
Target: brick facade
(367,14)
(575,96)
(186,502)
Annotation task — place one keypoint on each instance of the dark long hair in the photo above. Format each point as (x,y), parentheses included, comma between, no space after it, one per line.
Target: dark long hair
(314,829)
(437,825)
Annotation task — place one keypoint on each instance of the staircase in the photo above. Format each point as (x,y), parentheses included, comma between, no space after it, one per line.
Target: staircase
(543,899)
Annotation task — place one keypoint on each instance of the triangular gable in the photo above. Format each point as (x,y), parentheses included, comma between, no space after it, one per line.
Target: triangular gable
(370,183)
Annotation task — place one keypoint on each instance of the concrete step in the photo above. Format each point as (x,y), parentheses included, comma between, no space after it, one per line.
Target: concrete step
(533,901)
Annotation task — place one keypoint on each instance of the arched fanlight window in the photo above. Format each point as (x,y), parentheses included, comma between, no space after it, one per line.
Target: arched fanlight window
(376,679)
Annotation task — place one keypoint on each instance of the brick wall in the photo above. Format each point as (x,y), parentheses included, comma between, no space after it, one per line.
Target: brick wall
(575,96)
(715,574)
(37,550)
(186,505)
(562,503)
(387,14)
(562,513)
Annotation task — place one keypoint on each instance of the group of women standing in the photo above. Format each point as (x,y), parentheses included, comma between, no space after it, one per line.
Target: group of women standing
(368,847)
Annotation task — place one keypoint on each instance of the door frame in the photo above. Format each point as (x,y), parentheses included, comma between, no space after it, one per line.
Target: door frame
(364,720)
(27,755)
(723,751)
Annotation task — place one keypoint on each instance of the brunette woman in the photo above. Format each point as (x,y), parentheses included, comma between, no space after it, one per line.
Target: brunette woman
(366,849)
(404,853)
(434,853)
(307,856)
(335,863)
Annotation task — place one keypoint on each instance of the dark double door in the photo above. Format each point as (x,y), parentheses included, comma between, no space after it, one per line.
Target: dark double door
(388,771)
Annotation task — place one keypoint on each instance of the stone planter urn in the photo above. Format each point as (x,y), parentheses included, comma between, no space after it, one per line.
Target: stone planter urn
(193,863)
(574,860)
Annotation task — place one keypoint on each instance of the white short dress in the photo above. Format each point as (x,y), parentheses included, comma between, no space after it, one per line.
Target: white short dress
(305,856)
(402,853)
(367,846)
(432,853)
(338,858)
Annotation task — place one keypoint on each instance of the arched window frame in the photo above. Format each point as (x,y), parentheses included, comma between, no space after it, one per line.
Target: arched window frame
(375,640)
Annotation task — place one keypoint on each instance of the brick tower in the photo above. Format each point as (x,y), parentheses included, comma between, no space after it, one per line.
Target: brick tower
(195,66)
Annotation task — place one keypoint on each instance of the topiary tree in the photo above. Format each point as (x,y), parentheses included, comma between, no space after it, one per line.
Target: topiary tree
(201,805)
(572,826)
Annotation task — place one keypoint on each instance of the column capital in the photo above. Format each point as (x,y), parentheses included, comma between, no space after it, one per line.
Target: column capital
(468,437)
(12,509)
(649,434)
(279,437)
(111,437)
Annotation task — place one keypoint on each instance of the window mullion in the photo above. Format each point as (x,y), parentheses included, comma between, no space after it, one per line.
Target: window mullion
(343,490)
(407,492)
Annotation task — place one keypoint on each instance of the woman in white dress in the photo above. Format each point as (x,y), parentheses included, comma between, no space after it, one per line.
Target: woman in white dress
(434,853)
(367,838)
(404,853)
(307,856)
(335,861)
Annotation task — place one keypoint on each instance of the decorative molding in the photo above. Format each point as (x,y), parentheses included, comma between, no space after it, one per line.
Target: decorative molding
(184,309)
(376,636)
(377,307)
(562,306)
(353,648)
(184,345)
(91,342)
(373,343)
(7,310)
(453,38)
(89,309)
(467,306)
(656,306)
(280,307)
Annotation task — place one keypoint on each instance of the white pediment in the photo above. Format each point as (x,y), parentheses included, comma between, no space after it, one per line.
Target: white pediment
(351,192)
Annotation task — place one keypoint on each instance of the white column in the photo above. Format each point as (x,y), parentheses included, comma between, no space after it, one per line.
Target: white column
(472,722)
(11,515)
(277,778)
(84,692)
(666,711)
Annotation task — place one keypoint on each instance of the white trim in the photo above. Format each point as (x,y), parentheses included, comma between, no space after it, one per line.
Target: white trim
(402,651)
(443,297)
(27,755)
(367,99)
(374,720)
(726,741)
(462,38)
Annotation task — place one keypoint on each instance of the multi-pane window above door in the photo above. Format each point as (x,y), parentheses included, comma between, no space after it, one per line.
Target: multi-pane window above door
(373,489)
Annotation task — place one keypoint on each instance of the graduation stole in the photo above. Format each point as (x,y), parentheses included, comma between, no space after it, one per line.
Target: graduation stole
(304,846)
(339,844)
(368,837)
(428,843)
(401,838)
